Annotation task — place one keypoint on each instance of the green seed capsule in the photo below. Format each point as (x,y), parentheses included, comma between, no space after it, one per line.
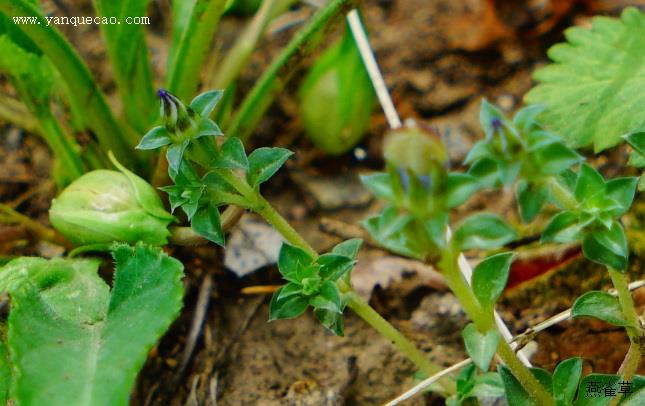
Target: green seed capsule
(104,206)
(337,98)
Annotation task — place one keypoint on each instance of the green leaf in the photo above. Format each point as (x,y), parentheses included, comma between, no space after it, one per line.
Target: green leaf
(490,276)
(483,231)
(205,102)
(333,266)
(565,381)
(328,298)
(380,185)
(595,88)
(206,222)
(264,162)
(592,389)
(73,342)
(460,186)
(289,290)
(589,184)
(286,307)
(622,190)
(232,155)
(331,320)
(174,155)
(555,158)
(525,119)
(290,260)
(157,137)
(516,395)
(599,305)
(348,248)
(480,347)
(607,247)
(395,232)
(486,170)
(488,385)
(530,199)
(492,119)
(563,228)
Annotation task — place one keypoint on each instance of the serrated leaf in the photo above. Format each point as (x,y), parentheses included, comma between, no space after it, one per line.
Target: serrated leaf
(206,222)
(205,102)
(566,377)
(530,199)
(75,342)
(483,231)
(264,163)
(480,347)
(595,88)
(490,276)
(607,247)
(232,155)
(599,305)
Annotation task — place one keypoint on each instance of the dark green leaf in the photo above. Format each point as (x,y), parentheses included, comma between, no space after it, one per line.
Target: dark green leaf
(328,298)
(515,393)
(204,103)
(480,347)
(622,190)
(486,170)
(460,186)
(174,155)
(563,228)
(466,380)
(232,155)
(331,320)
(589,184)
(155,138)
(206,222)
(289,290)
(599,305)
(394,231)
(348,248)
(288,307)
(554,158)
(5,373)
(290,260)
(565,381)
(207,127)
(489,278)
(333,266)
(264,162)
(607,247)
(530,199)
(592,389)
(483,231)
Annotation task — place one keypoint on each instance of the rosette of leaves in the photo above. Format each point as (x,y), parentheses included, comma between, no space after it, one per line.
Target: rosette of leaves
(520,148)
(595,88)
(418,191)
(206,175)
(591,215)
(313,282)
(637,158)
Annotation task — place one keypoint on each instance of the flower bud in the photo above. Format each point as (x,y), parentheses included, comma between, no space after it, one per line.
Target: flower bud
(104,206)
(175,114)
(337,98)
(415,149)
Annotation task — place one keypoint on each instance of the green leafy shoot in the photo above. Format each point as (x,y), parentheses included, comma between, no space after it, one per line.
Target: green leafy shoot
(72,340)
(313,283)
(595,87)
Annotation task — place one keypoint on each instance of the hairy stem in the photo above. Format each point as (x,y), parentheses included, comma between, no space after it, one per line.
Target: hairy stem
(485,322)
(278,73)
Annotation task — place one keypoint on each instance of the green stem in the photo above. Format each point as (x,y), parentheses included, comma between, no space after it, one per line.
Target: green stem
(236,58)
(634,330)
(193,47)
(405,346)
(278,73)
(73,70)
(485,322)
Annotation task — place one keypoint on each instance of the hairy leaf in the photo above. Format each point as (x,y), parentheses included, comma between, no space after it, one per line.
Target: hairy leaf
(595,89)
(71,340)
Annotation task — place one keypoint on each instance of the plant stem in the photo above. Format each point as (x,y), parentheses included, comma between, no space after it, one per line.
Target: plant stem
(269,85)
(192,49)
(405,346)
(82,85)
(9,215)
(634,331)
(485,322)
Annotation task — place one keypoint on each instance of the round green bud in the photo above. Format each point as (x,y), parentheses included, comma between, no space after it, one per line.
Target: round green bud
(415,149)
(105,206)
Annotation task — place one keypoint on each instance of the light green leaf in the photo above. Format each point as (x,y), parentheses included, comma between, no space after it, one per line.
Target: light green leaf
(595,89)
(286,307)
(264,162)
(205,102)
(328,298)
(589,184)
(460,186)
(206,222)
(563,228)
(290,260)
(73,342)
(565,381)
(5,372)
(530,199)
(232,155)
(380,185)
(516,395)
(490,276)
(622,190)
(348,248)
(480,347)
(483,231)
(599,305)
(607,247)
